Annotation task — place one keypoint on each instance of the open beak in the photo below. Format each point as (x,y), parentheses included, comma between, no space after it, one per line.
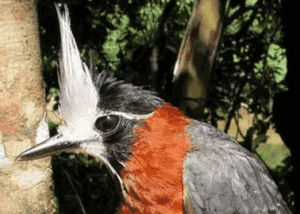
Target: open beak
(54,145)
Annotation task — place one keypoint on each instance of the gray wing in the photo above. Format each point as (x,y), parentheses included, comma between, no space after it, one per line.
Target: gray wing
(223,177)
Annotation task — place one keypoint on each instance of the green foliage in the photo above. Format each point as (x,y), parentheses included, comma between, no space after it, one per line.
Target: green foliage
(115,40)
(55,92)
(128,35)
(273,155)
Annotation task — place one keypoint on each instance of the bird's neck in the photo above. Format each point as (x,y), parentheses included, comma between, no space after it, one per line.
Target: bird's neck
(153,177)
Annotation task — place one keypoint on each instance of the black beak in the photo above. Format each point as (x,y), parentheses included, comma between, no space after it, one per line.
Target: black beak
(54,145)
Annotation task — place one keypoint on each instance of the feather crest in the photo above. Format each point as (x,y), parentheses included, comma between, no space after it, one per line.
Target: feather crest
(78,95)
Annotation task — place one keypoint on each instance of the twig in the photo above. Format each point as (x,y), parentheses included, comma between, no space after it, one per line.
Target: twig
(77,196)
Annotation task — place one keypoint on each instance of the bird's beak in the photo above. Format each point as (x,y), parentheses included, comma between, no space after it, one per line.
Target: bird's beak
(54,145)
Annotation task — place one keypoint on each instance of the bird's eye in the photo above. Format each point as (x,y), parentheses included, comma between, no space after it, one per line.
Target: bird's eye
(107,123)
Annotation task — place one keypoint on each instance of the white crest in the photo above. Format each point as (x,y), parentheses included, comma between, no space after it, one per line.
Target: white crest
(78,95)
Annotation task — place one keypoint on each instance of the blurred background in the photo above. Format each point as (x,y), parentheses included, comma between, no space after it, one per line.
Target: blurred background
(250,72)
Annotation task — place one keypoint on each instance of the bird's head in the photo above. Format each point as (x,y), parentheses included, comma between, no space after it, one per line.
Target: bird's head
(100,113)
(133,132)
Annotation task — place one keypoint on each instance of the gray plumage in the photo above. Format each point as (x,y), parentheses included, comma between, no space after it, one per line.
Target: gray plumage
(223,177)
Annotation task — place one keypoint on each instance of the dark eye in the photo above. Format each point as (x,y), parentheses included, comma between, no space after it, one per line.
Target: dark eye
(107,123)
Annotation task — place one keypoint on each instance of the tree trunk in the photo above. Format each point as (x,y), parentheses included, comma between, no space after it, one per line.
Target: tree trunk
(196,56)
(24,186)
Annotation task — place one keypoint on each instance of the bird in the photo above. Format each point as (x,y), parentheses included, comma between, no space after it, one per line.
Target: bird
(163,161)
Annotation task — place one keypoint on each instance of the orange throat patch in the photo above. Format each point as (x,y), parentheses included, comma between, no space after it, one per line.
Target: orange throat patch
(153,177)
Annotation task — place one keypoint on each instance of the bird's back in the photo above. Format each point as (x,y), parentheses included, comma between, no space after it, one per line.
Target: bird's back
(223,177)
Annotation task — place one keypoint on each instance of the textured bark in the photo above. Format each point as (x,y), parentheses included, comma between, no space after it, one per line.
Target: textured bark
(24,186)
(196,56)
